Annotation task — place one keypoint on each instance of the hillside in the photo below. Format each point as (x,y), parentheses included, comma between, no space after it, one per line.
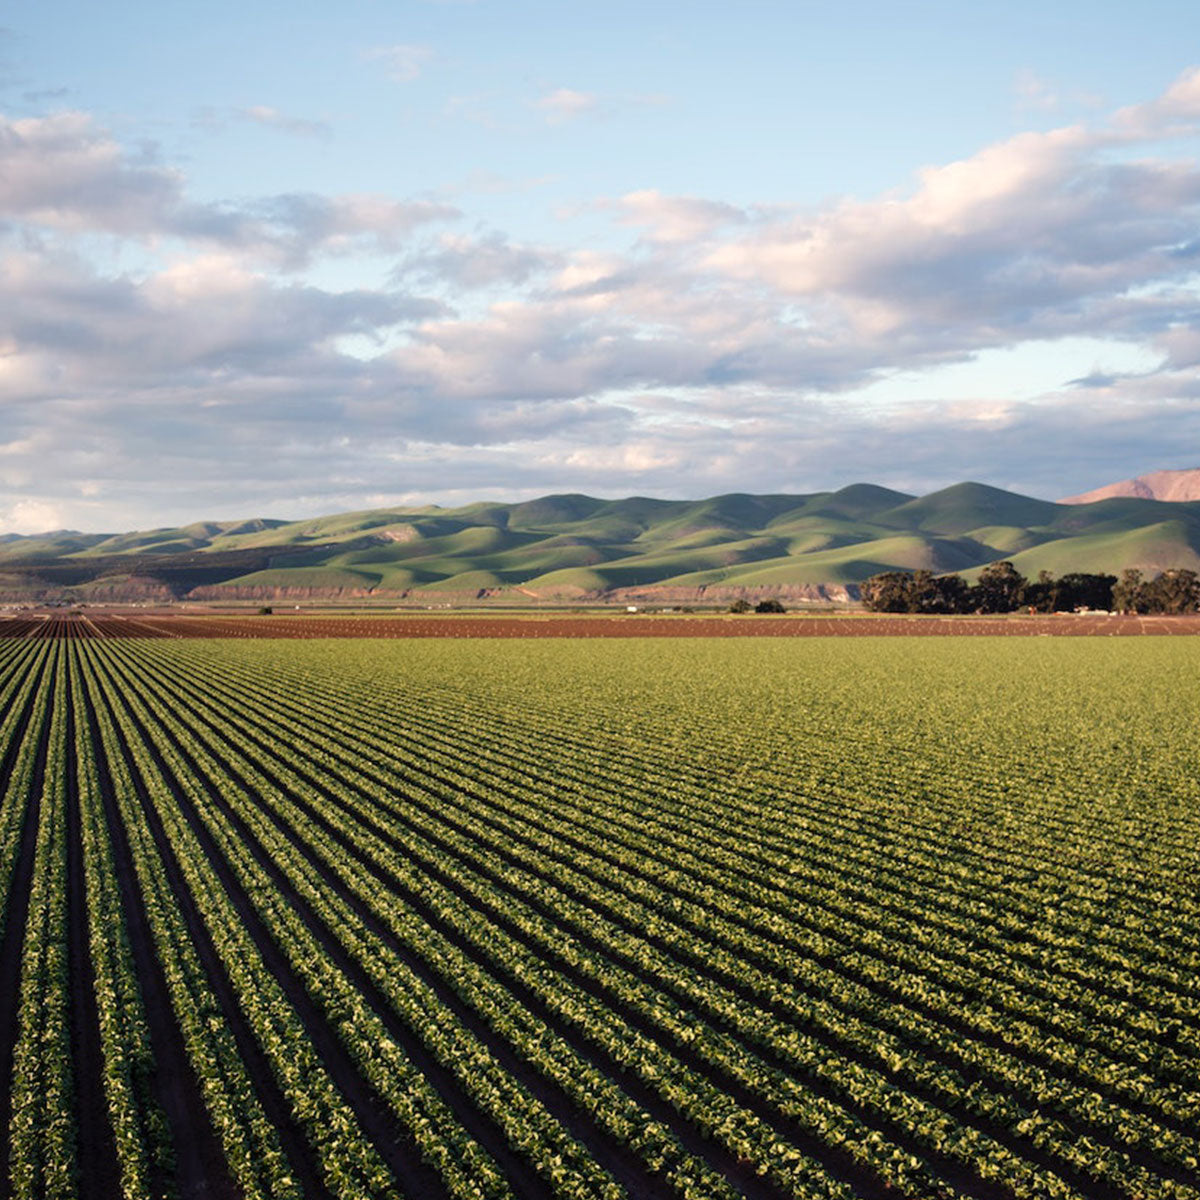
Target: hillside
(574,547)
(1174,486)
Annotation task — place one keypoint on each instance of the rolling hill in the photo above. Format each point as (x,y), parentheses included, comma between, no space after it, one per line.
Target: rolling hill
(575,547)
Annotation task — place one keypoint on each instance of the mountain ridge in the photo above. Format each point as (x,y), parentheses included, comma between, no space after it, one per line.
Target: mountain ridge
(569,546)
(1174,487)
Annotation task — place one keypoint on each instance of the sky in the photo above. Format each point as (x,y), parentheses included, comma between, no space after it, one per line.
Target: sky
(265,259)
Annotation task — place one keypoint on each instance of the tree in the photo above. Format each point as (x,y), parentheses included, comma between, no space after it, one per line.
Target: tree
(741,605)
(769,606)
(999,589)
(1128,595)
(952,595)
(886,592)
(1041,595)
(1077,590)
(916,592)
(1175,591)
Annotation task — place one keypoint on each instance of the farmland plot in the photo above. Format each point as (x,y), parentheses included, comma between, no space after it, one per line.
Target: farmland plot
(696,918)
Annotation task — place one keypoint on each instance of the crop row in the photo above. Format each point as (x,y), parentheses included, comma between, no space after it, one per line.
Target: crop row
(1045,1130)
(492,920)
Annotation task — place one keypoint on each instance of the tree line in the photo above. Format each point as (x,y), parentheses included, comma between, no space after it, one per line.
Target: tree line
(1002,588)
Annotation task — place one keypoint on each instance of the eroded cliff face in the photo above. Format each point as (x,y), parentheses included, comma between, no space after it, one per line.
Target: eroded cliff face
(32,589)
(796,593)
(281,595)
(29,589)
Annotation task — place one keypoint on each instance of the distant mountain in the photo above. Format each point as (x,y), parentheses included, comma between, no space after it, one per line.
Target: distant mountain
(1173,486)
(578,547)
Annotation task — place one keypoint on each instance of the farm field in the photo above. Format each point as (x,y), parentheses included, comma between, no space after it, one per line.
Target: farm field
(591,625)
(627,916)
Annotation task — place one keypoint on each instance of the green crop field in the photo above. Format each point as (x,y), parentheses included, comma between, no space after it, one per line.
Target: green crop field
(650,918)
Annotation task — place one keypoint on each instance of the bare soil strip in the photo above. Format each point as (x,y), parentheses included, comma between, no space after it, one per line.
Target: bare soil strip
(570,625)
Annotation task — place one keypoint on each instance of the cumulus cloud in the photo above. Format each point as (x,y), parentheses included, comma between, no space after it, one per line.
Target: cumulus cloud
(30,516)
(701,346)
(676,218)
(462,261)
(65,173)
(1044,234)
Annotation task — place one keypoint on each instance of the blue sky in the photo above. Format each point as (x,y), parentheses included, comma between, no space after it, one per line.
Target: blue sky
(287,259)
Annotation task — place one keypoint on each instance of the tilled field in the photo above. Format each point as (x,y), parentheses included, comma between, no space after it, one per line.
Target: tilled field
(823,918)
(566,626)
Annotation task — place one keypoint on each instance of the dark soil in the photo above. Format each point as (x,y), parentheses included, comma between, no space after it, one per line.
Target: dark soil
(17,908)
(629,625)
(99,1170)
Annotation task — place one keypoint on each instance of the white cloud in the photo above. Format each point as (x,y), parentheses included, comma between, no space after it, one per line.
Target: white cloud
(676,218)
(403,63)
(719,347)
(30,516)
(565,104)
(65,174)
(63,171)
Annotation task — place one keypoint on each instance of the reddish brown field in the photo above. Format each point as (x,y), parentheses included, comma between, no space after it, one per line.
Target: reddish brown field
(77,625)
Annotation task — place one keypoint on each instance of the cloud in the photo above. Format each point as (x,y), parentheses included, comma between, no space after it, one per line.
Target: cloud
(272,118)
(1174,112)
(477,262)
(295,227)
(565,104)
(676,218)
(403,63)
(696,346)
(30,516)
(64,173)
(1033,91)
(1044,234)
(1037,94)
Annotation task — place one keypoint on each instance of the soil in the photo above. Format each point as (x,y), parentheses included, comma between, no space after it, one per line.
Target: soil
(95,1143)
(17,912)
(572,625)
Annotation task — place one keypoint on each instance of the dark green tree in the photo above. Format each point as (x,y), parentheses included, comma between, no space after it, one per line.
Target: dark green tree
(999,589)
(1174,591)
(953,595)
(1078,590)
(1129,592)
(770,605)
(1041,594)
(889,591)
(915,592)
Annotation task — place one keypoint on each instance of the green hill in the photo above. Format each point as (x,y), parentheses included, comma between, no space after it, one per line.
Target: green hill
(576,546)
